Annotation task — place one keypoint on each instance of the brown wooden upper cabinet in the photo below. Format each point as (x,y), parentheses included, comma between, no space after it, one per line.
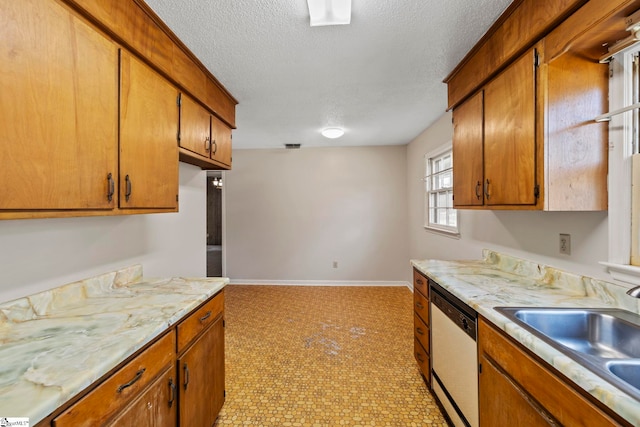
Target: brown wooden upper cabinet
(495,140)
(525,136)
(148,134)
(90,127)
(203,138)
(58,111)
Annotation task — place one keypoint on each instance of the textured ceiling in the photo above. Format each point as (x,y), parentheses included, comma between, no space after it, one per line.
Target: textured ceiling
(379,78)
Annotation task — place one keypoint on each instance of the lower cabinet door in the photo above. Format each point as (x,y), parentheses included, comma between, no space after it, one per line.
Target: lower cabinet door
(156,407)
(497,392)
(201,374)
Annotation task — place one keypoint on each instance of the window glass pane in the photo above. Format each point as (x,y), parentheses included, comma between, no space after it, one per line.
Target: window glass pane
(446,162)
(442,200)
(453,218)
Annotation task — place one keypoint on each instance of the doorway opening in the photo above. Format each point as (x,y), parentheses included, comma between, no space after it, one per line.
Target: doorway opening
(214,224)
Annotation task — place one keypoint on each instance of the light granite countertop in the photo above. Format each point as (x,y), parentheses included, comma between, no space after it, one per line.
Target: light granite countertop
(56,343)
(500,280)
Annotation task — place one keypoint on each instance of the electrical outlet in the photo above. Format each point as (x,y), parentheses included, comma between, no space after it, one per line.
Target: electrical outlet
(335,264)
(565,244)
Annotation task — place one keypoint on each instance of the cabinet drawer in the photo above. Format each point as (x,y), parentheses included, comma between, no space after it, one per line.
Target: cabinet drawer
(422,357)
(421,332)
(421,306)
(191,327)
(121,388)
(420,283)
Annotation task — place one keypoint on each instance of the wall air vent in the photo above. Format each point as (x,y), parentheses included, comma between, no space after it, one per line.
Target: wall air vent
(291,146)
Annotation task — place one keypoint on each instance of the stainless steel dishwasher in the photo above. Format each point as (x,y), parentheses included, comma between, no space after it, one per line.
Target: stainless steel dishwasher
(454,356)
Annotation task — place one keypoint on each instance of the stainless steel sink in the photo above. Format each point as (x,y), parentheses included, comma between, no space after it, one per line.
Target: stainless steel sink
(606,341)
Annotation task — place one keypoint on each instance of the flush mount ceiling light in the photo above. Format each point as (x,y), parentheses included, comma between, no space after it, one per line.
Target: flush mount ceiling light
(332,133)
(329,12)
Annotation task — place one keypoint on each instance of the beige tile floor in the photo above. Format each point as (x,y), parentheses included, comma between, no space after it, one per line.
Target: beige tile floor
(322,356)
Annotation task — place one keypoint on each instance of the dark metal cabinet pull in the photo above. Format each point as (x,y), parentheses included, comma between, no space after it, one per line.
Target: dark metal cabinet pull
(478,189)
(186,376)
(207,144)
(420,331)
(127,193)
(206,316)
(172,388)
(486,189)
(215,145)
(133,381)
(419,357)
(420,306)
(419,282)
(112,187)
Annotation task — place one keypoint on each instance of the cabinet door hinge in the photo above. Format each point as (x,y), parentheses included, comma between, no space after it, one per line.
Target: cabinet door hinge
(536,58)
(536,191)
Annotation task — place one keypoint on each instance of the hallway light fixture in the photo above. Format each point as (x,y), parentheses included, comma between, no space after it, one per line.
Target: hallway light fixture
(329,12)
(217,183)
(332,133)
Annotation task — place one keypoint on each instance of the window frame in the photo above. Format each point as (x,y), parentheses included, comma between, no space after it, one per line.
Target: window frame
(621,138)
(447,230)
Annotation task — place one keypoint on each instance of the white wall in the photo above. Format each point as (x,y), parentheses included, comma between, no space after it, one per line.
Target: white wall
(39,254)
(291,213)
(531,235)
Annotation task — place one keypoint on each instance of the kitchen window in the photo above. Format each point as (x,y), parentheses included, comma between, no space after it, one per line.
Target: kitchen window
(440,216)
(624,167)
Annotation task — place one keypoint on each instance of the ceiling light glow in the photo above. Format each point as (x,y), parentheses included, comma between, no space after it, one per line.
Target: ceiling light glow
(329,12)
(332,133)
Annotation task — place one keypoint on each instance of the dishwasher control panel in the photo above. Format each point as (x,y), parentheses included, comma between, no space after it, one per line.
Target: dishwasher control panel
(461,314)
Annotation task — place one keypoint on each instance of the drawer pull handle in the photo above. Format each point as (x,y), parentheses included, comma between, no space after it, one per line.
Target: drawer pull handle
(127,192)
(133,381)
(206,316)
(420,306)
(186,376)
(419,330)
(112,187)
(172,388)
(419,282)
(419,357)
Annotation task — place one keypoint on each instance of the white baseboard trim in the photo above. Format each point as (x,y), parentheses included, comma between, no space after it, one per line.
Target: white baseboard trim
(318,283)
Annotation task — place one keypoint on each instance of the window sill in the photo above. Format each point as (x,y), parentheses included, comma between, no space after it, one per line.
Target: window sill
(623,273)
(443,232)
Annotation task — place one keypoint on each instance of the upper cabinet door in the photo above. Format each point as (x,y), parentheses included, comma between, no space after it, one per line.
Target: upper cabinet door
(468,152)
(221,135)
(148,137)
(58,110)
(195,127)
(510,134)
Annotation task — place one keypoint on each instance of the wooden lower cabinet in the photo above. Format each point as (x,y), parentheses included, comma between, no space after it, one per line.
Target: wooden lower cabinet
(517,390)
(156,407)
(421,332)
(115,395)
(176,380)
(201,373)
